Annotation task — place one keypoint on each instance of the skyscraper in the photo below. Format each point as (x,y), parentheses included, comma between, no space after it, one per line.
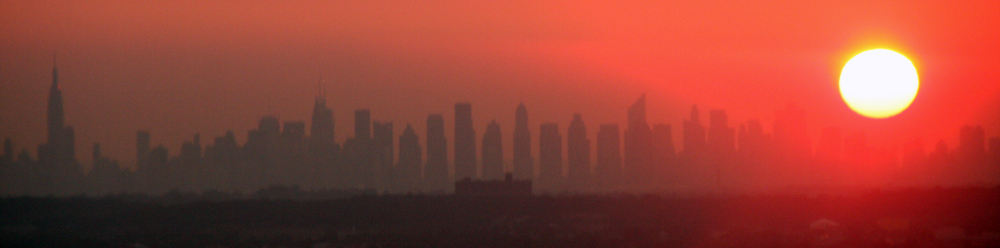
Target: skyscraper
(383,139)
(721,137)
(409,168)
(382,154)
(549,154)
(436,171)
(465,142)
(694,135)
(523,163)
(58,149)
(609,158)
(142,151)
(322,147)
(577,152)
(971,142)
(492,153)
(638,162)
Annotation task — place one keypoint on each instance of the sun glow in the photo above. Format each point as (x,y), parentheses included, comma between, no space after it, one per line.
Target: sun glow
(879,83)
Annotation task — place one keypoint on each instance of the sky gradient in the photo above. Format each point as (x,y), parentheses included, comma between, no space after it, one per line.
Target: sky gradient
(177,68)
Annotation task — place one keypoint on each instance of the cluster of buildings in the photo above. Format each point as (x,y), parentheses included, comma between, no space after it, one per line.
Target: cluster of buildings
(638,157)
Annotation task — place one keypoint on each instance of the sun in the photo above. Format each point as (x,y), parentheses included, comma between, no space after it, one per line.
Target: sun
(879,83)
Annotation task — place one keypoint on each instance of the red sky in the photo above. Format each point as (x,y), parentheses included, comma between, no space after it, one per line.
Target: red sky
(177,68)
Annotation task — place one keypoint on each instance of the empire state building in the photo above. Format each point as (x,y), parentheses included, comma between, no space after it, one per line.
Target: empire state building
(59,147)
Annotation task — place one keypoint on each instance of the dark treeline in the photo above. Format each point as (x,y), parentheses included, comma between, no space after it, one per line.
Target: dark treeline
(956,217)
(639,157)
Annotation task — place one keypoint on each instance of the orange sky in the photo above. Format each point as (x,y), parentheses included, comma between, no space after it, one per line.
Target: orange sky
(180,67)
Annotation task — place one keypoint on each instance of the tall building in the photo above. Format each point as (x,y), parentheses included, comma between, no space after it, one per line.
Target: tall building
(382,154)
(436,171)
(322,147)
(609,158)
(524,167)
(465,142)
(638,144)
(752,140)
(142,150)
(59,148)
(694,135)
(549,154)
(577,151)
(971,142)
(409,169)
(492,153)
(721,137)
(382,140)
(362,124)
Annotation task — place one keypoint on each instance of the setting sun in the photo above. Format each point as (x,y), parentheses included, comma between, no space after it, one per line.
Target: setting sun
(879,83)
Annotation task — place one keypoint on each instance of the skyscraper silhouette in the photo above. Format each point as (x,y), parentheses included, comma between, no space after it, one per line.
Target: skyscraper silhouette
(382,164)
(721,137)
(409,169)
(694,135)
(549,154)
(322,147)
(436,171)
(362,124)
(492,152)
(523,163)
(58,150)
(971,142)
(577,152)
(638,144)
(465,142)
(142,151)
(609,158)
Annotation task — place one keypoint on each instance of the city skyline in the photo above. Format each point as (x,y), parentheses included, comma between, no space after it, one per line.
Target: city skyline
(133,66)
(282,153)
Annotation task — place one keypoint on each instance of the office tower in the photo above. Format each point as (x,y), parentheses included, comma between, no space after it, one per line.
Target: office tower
(752,141)
(322,147)
(549,153)
(383,139)
(609,160)
(694,135)
(577,151)
(465,142)
(381,171)
(492,153)
(436,171)
(971,142)
(262,149)
(638,143)
(523,163)
(791,137)
(721,137)
(362,124)
(142,151)
(58,149)
(410,165)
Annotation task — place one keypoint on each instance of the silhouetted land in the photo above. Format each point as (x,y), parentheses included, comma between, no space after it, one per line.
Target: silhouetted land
(956,217)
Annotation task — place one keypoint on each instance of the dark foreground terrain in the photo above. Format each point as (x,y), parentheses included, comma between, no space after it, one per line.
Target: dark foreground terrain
(968,217)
